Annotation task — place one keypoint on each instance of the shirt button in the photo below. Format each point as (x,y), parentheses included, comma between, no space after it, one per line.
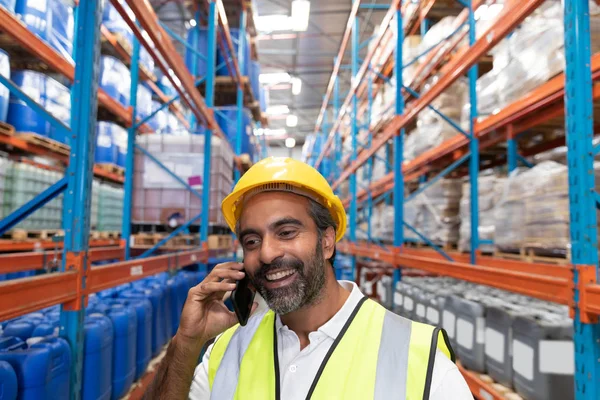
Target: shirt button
(292,368)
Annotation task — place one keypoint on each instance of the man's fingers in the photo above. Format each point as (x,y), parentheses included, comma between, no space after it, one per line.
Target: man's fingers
(206,289)
(216,272)
(230,274)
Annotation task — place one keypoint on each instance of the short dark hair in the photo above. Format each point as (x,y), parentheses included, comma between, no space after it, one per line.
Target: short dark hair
(322,218)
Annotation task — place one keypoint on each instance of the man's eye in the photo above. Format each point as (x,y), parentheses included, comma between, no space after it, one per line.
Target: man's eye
(286,233)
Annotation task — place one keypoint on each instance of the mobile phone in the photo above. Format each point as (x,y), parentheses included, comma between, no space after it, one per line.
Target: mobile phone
(242,298)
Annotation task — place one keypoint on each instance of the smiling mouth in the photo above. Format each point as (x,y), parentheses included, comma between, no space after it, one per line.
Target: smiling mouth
(279,275)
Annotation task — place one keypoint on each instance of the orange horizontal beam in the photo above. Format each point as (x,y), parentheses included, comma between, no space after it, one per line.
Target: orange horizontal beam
(551,285)
(22,296)
(35,260)
(8,245)
(511,17)
(104,277)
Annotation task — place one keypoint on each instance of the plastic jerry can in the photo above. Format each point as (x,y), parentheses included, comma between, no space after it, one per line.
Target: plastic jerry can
(42,369)
(398,298)
(543,357)
(46,328)
(449,318)
(470,333)
(22,328)
(60,352)
(97,360)
(8,382)
(143,354)
(498,341)
(422,299)
(124,321)
(158,326)
(434,310)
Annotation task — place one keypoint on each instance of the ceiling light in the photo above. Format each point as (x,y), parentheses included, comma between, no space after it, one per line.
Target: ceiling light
(272,23)
(192,22)
(300,14)
(278,110)
(291,121)
(290,142)
(296,86)
(272,78)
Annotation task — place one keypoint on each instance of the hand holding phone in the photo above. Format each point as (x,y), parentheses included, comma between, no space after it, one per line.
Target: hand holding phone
(242,298)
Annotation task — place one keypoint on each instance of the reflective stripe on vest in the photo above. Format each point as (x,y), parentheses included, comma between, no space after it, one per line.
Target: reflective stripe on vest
(381,356)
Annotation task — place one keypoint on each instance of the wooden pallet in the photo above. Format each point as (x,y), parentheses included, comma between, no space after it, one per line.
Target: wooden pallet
(152,239)
(46,142)
(26,234)
(6,129)
(423,245)
(218,242)
(112,169)
(502,390)
(535,255)
(109,234)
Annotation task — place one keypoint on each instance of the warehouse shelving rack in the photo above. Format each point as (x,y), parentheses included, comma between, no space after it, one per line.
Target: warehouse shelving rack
(76,278)
(569,95)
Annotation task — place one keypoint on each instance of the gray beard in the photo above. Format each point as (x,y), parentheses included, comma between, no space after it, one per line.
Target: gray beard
(306,290)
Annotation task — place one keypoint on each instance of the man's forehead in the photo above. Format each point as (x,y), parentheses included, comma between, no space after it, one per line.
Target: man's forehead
(273,205)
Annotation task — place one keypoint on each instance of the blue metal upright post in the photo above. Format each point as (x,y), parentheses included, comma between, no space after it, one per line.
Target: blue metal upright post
(473,145)
(193,67)
(353,155)
(511,154)
(129,158)
(77,200)
(338,139)
(211,58)
(584,232)
(240,90)
(398,148)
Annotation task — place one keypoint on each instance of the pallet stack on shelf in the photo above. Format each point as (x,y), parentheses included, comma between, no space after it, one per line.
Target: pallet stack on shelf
(489,88)
(111,81)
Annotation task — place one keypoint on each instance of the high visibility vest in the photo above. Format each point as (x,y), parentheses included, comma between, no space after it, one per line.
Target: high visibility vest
(377,355)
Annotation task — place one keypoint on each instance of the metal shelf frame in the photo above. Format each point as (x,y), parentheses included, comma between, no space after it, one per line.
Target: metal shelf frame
(76,278)
(570,95)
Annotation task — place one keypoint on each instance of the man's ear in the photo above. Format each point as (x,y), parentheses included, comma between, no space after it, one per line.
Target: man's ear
(328,242)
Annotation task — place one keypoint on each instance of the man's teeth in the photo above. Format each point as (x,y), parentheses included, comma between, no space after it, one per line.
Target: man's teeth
(279,275)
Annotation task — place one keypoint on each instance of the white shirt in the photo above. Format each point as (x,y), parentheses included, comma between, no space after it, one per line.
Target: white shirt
(299,367)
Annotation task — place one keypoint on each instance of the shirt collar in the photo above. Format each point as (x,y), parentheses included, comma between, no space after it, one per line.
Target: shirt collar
(333,327)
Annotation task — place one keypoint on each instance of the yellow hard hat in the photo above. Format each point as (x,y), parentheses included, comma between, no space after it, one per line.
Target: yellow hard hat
(287,175)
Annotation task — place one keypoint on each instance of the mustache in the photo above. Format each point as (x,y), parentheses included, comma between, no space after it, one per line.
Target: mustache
(280,263)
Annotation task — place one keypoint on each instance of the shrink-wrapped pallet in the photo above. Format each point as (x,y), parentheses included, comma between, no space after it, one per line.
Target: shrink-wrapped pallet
(159,199)
(490,188)
(510,213)
(437,216)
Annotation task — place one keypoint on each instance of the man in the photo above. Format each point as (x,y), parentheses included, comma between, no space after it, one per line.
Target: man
(319,338)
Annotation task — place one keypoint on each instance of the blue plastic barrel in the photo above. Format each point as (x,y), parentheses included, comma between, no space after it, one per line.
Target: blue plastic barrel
(106,149)
(42,369)
(255,78)
(201,35)
(143,354)
(114,22)
(144,101)
(8,382)
(36,15)
(124,321)
(61,27)
(58,103)
(23,118)
(119,137)
(9,4)
(115,79)
(97,360)
(223,71)
(4,92)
